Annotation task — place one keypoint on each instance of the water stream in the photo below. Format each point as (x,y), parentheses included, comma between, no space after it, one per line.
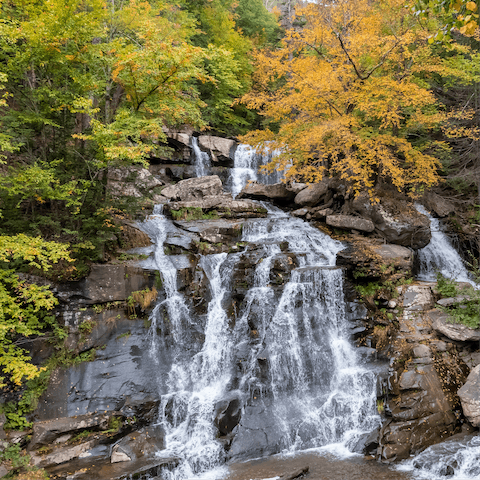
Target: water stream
(247,167)
(202,160)
(439,256)
(285,355)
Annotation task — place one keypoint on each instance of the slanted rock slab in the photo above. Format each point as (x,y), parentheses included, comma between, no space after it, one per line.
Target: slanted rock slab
(350,222)
(311,195)
(470,397)
(194,188)
(45,432)
(277,193)
(455,331)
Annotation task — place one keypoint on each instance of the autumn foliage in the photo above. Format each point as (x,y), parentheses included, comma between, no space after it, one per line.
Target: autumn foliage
(348,95)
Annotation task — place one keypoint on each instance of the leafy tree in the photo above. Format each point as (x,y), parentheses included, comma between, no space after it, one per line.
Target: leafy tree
(456,14)
(24,306)
(255,20)
(349,95)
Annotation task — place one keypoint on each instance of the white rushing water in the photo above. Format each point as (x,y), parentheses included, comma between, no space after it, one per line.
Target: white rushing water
(285,354)
(439,256)
(247,165)
(452,459)
(202,160)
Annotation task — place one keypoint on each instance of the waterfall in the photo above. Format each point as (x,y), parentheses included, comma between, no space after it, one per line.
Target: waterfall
(247,165)
(285,354)
(202,160)
(439,256)
(451,459)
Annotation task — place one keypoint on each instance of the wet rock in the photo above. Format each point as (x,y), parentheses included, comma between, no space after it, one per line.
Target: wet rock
(45,432)
(130,181)
(447,302)
(228,415)
(132,237)
(368,443)
(311,196)
(258,434)
(350,222)
(214,231)
(142,443)
(470,397)
(395,219)
(194,188)
(440,206)
(121,371)
(276,193)
(455,331)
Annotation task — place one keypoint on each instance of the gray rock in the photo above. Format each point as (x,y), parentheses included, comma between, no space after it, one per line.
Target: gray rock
(180,137)
(277,192)
(470,397)
(130,181)
(109,283)
(310,196)
(144,442)
(194,188)
(62,455)
(3,419)
(218,144)
(438,205)
(396,219)
(297,187)
(455,331)
(350,222)
(417,297)
(45,432)
(446,302)
(421,351)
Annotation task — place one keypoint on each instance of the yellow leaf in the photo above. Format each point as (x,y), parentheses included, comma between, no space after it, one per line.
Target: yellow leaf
(472,6)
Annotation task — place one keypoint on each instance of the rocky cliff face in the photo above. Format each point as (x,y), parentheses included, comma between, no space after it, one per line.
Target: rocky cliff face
(95,419)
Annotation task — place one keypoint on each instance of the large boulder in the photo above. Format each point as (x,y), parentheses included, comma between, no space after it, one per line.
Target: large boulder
(144,442)
(194,188)
(470,397)
(218,145)
(45,432)
(369,257)
(130,181)
(455,331)
(440,206)
(311,195)
(395,219)
(277,193)
(350,222)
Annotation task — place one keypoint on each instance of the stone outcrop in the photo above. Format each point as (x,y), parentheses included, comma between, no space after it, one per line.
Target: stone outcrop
(47,431)
(395,219)
(277,193)
(194,188)
(220,149)
(369,257)
(130,181)
(350,222)
(470,397)
(142,443)
(438,205)
(422,398)
(454,331)
(311,195)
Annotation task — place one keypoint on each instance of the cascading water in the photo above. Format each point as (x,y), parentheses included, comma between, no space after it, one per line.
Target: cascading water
(286,357)
(202,160)
(247,165)
(439,256)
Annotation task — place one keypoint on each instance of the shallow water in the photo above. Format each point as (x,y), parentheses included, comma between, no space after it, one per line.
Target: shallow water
(322,466)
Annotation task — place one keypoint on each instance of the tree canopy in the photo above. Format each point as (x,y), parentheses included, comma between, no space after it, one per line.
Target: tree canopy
(350,94)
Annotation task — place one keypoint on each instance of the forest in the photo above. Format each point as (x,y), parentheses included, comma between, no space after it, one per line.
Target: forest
(373,92)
